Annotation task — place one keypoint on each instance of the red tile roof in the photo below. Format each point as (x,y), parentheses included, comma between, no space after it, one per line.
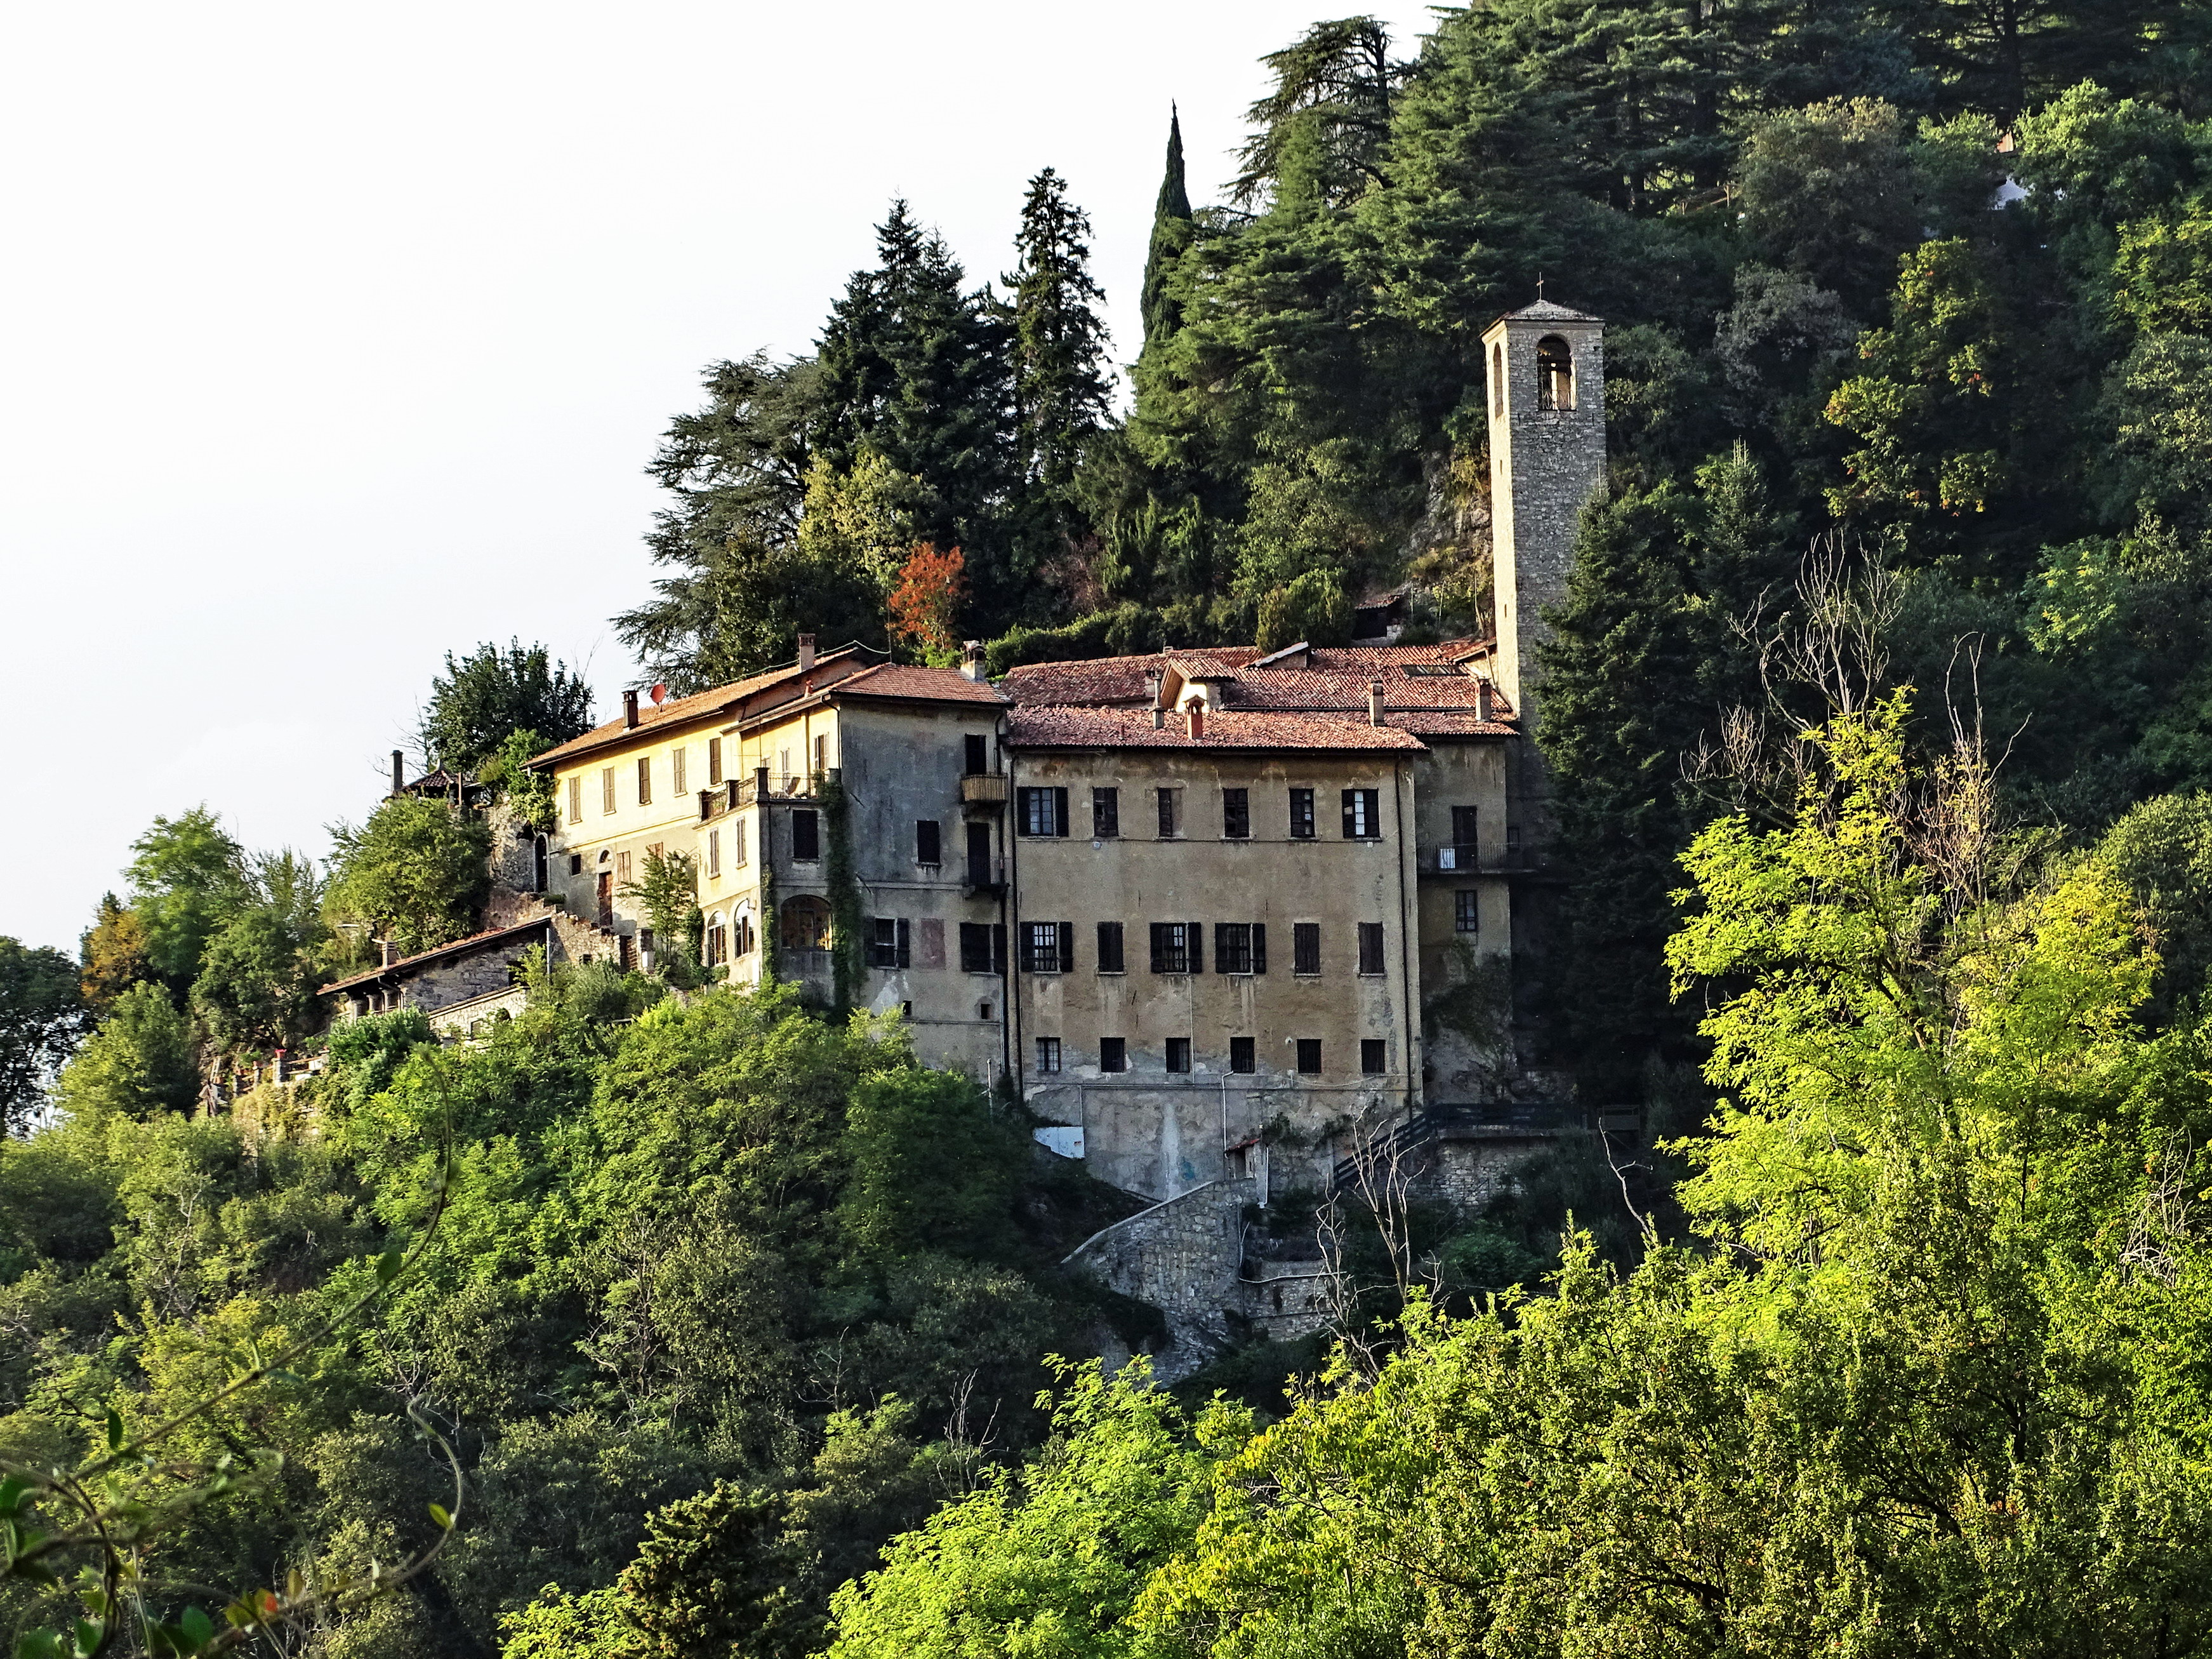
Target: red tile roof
(458,947)
(1063,726)
(920,684)
(1108,679)
(838,665)
(1324,680)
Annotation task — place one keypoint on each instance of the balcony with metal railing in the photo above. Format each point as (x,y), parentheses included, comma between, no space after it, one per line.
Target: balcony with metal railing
(1465,858)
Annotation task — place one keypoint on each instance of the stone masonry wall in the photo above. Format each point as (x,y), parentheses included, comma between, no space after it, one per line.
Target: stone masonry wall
(1182,1257)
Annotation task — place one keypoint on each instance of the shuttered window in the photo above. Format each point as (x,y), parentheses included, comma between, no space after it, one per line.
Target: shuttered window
(675,769)
(576,800)
(606,788)
(1305,947)
(1110,947)
(713,761)
(645,780)
(1371,946)
(1362,816)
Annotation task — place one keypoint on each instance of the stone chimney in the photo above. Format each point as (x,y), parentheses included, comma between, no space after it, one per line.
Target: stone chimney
(1483,708)
(1159,718)
(1195,715)
(805,652)
(386,953)
(398,772)
(971,661)
(1375,703)
(629,708)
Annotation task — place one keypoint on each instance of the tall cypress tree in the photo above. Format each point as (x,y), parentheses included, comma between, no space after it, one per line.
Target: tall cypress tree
(1060,344)
(1172,229)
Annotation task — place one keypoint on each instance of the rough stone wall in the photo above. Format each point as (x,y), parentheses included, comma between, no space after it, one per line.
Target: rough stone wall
(1467,1173)
(1184,1258)
(457,981)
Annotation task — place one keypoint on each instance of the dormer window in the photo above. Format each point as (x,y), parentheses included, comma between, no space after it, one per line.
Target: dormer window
(1555,373)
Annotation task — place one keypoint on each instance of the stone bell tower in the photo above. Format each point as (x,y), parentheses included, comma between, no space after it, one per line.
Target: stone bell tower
(1547,372)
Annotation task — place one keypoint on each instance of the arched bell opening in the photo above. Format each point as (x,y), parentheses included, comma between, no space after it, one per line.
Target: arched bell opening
(1555,373)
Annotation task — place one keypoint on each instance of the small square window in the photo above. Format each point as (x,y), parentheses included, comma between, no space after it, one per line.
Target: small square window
(1178,1053)
(1373,1057)
(1047,1055)
(1113,1054)
(575,863)
(1242,1056)
(1236,814)
(1309,1056)
(1466,910)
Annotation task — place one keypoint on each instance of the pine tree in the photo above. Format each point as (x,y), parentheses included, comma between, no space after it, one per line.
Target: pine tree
(1060,344)
(1172,232)
(1321,133)
(915,368)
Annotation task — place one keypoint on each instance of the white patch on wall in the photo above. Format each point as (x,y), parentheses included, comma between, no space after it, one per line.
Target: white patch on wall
(1066,1139)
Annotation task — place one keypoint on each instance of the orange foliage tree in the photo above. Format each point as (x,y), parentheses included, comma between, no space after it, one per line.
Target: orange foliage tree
(923,599)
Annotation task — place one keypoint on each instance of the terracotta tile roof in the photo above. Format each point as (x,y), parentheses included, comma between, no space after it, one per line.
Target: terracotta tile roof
(921,685)
(702,704)
(1448,723)
(458,947)
(1108,679)
(1064,727)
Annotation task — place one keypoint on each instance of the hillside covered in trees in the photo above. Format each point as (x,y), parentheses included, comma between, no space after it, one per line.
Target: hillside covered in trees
(1880,718)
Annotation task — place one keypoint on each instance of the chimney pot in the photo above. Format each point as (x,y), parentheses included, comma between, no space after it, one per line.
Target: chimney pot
(1159,718)
(805,652)
(1196,713)
(629,708)
(398,771)
(1483,708)
(1375,703)
(386,953)
(971,659)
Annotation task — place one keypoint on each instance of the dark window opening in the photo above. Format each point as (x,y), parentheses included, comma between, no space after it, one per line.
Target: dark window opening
(1110,947)
(978,758)
(1049,947)
(928,842)
(1043,811)
(1240,947)
(1305,947)
(1170,809)
(1243,1054)
(1363,814)
(575,863)
(890,943)
(1178,1053)
(1113,1054)
(1302,815)
(806,835)
(1105,814)
(982,948)
(1371,946)
(1236,814)
(1176,948)
(1466,910)
(1309,1056)
(1465,841)
(1373,1058)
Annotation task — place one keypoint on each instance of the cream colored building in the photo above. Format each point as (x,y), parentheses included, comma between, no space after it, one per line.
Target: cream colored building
(1325,836)
(837,785)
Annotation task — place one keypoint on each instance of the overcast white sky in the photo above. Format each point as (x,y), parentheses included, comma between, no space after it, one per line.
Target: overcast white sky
(335,336)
